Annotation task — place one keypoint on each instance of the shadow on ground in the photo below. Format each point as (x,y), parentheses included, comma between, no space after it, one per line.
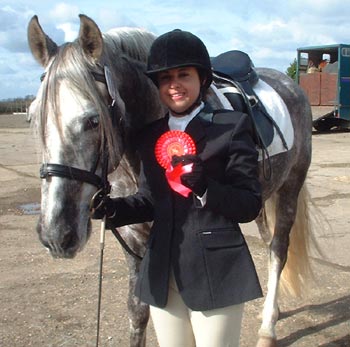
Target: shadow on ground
(338,311)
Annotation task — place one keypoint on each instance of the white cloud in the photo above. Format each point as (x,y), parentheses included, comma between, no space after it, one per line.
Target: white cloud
(268,27)
(67,18)
(12,32)
(63,12)
(70,31)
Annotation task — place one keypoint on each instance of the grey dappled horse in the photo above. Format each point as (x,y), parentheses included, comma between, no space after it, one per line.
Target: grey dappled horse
(93,97)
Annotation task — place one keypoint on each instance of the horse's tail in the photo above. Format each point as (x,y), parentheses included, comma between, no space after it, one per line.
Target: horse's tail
(297,271)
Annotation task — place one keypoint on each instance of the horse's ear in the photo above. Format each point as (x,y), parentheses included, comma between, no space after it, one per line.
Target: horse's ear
(42,47)
(90,38)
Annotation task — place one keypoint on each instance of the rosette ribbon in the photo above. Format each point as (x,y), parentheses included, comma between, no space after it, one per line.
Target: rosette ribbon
(175,142)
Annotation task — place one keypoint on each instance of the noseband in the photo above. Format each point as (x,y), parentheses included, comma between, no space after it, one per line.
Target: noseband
(64,171)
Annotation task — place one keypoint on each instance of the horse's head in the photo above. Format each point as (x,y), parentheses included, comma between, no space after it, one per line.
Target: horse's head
(72,113)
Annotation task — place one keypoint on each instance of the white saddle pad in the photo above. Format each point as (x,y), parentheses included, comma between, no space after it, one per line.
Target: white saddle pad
(276,108)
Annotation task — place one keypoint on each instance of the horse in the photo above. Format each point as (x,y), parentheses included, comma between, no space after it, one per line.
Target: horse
(93,99)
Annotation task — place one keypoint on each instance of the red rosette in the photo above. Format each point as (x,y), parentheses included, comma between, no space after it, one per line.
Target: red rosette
(173,142)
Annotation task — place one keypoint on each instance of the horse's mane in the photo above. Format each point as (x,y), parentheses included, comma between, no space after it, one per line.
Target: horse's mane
(134,42)
(71,64)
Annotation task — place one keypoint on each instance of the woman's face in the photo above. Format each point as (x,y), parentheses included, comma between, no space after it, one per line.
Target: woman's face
(179,88)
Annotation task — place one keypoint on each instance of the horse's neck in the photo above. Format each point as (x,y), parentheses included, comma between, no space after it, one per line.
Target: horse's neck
(124,179)
(140,96)
(142,106)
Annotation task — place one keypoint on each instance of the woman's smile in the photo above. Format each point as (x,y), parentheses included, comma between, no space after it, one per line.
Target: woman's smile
(177,96)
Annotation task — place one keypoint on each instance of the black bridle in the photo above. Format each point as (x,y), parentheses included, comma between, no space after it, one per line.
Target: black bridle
(58,170)
(100,182)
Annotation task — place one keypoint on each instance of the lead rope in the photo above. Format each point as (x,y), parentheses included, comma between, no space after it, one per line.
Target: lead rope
(100,277)
(106,188)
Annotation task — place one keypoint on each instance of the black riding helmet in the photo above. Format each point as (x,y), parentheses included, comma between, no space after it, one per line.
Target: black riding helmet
(175,49)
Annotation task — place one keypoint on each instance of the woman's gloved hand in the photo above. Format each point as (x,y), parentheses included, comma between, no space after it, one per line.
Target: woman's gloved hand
(195,180)
(101,205)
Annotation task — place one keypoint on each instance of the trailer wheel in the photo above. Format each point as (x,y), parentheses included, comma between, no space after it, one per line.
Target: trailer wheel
(325,122)
(322,125)
(329,121)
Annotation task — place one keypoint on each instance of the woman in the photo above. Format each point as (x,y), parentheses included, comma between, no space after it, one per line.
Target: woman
(197,271)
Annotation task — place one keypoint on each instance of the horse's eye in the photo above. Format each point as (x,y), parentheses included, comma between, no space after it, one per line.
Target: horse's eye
(92,123)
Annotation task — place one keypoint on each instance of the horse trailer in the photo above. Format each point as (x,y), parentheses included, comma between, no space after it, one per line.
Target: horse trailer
(323,72)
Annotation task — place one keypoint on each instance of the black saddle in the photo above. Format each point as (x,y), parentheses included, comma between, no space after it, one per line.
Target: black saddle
(237,68)
(237,65)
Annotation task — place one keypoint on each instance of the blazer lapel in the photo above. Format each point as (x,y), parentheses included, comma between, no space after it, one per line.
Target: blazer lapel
(196,128)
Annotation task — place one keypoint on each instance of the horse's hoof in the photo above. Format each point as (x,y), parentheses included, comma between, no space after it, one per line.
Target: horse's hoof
(266,342)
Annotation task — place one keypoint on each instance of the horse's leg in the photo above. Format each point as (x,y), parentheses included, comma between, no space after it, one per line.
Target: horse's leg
(136,236)
(263,229)
(286,209)
(138,311)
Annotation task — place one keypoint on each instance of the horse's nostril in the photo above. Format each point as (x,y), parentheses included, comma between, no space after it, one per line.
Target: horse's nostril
(69,241)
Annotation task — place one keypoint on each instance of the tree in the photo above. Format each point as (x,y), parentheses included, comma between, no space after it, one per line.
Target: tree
(15,105)
(292,70)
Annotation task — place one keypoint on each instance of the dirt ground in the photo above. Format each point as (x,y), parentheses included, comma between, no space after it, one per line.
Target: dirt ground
(47,302)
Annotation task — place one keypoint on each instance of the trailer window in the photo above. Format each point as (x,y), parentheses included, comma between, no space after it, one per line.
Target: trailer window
(304,59)
(345,52)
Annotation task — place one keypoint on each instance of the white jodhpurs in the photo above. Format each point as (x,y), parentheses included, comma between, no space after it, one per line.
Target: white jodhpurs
(178,326)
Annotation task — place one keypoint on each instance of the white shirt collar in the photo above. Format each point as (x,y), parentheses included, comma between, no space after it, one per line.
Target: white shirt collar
(180,123)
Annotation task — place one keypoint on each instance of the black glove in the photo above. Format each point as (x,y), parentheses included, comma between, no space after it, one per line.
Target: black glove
(196,179)
(101,205)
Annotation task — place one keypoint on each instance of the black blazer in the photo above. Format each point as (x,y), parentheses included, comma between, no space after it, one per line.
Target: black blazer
(204,245)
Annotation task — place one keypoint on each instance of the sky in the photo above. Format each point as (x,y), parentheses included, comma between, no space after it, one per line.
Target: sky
(270,31)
